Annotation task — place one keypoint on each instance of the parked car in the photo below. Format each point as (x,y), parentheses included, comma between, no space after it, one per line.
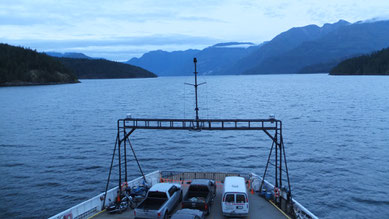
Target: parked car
(235,202)
(188,214)
(160,200)
(200,195)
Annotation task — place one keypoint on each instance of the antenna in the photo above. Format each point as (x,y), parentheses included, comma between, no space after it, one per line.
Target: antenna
(195,86)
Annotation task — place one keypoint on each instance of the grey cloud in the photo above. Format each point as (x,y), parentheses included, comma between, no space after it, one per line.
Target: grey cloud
(199,18)
(155,40)
(120,48)
(28,21)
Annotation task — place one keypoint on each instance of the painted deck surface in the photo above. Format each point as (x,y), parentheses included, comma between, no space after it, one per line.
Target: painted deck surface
(259,208)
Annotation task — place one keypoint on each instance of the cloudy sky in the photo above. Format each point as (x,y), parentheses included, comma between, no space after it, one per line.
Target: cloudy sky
(122,29)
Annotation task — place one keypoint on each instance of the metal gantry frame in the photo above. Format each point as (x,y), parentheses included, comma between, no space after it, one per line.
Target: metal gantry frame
(271,127)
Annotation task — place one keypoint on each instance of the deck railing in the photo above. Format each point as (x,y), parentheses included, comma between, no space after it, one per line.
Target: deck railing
(299,210)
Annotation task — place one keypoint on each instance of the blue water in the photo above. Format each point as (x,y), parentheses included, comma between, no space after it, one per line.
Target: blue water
(56,141)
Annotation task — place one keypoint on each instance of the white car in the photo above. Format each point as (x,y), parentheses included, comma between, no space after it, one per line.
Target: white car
(235,202)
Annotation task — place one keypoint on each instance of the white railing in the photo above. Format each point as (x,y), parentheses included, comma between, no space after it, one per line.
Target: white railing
(95,204)
(300,211)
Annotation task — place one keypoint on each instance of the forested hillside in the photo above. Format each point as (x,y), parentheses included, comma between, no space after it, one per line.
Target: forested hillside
(376,63)
(21,66)
(101,68)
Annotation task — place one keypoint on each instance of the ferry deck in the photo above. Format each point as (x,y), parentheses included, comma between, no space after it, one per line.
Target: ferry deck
(259,208)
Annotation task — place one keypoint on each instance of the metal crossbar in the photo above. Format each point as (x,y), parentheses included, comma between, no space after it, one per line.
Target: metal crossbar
(201,124)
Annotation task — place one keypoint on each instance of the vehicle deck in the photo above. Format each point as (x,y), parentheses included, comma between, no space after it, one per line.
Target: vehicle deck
(259,208)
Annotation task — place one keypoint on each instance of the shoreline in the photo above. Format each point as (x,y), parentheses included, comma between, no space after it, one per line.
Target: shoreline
(358,74)
(21,83)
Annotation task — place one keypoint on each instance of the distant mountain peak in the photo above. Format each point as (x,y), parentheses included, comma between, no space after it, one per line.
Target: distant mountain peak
(74,55)
(341,21)
(328,27)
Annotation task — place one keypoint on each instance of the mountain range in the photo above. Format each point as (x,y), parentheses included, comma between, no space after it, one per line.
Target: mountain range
(211,60)
(343,40)
(308,49)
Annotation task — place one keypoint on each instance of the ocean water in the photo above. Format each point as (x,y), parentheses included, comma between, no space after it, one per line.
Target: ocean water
(56,141)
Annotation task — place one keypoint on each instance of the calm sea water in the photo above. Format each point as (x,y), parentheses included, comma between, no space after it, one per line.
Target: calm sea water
(56,141)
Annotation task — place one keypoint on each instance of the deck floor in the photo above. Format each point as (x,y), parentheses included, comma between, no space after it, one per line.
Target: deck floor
(259,208)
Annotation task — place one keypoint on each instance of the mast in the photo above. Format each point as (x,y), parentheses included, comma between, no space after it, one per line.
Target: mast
(196,85)
(196,96)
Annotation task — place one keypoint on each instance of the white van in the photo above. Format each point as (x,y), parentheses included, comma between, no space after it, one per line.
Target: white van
(235,200)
